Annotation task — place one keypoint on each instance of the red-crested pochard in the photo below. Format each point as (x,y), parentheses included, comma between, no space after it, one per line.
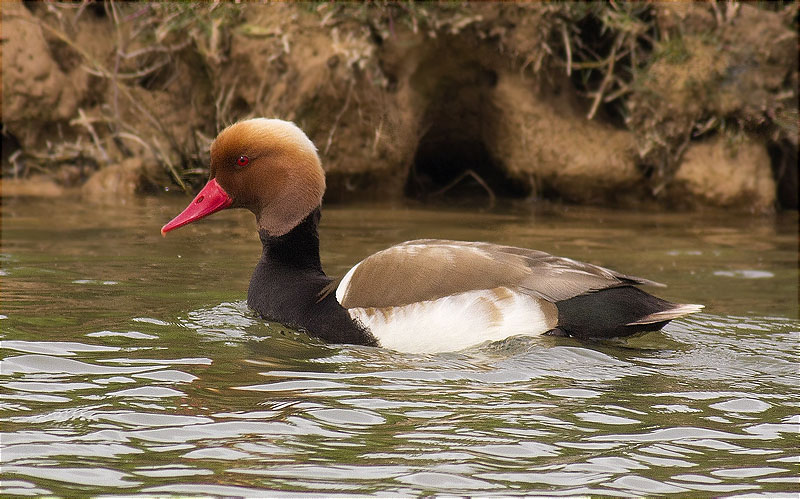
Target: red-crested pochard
(427,295)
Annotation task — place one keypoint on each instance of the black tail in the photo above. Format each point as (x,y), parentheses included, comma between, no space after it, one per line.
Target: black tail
(618,311)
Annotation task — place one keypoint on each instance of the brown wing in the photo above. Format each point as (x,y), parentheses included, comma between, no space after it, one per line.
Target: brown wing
(428,269)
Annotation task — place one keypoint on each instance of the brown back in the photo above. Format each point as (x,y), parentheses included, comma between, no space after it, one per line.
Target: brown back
(428,269)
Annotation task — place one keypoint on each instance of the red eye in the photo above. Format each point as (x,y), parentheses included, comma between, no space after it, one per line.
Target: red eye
(242,161)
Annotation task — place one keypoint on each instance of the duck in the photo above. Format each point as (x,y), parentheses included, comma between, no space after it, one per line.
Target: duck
(420,296)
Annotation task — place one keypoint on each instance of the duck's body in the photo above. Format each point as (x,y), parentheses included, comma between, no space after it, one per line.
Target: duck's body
(419,296)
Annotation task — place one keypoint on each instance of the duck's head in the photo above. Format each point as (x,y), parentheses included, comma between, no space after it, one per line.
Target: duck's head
(268,166)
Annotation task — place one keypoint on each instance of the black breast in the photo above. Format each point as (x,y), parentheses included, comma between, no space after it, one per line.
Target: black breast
(287,282)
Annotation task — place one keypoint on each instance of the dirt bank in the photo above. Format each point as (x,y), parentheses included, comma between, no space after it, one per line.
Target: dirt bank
(678,105)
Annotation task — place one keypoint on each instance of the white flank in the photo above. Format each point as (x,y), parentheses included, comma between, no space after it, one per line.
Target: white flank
(345,283)
(454,322)
(668,315)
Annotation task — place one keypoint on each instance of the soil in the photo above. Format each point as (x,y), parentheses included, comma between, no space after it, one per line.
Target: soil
(418,101)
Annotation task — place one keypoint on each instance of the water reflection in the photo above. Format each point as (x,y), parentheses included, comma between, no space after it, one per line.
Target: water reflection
(534,417)
(162,383)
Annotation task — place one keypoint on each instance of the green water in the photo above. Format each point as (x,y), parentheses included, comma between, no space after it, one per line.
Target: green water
(130,364)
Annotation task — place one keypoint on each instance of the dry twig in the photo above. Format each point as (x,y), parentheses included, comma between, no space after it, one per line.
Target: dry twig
(607,78)
(477,178)
(567,47)
(86,123)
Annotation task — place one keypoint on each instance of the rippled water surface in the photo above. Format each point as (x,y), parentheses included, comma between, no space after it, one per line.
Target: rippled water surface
(130,364)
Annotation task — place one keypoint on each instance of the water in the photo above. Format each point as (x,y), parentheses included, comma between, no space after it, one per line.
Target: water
(130,364)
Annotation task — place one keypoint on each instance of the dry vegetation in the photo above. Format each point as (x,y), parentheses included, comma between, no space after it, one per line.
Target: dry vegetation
(145,87)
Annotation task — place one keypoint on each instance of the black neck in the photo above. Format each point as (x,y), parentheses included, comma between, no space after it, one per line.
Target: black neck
(288,283)
(298,248)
